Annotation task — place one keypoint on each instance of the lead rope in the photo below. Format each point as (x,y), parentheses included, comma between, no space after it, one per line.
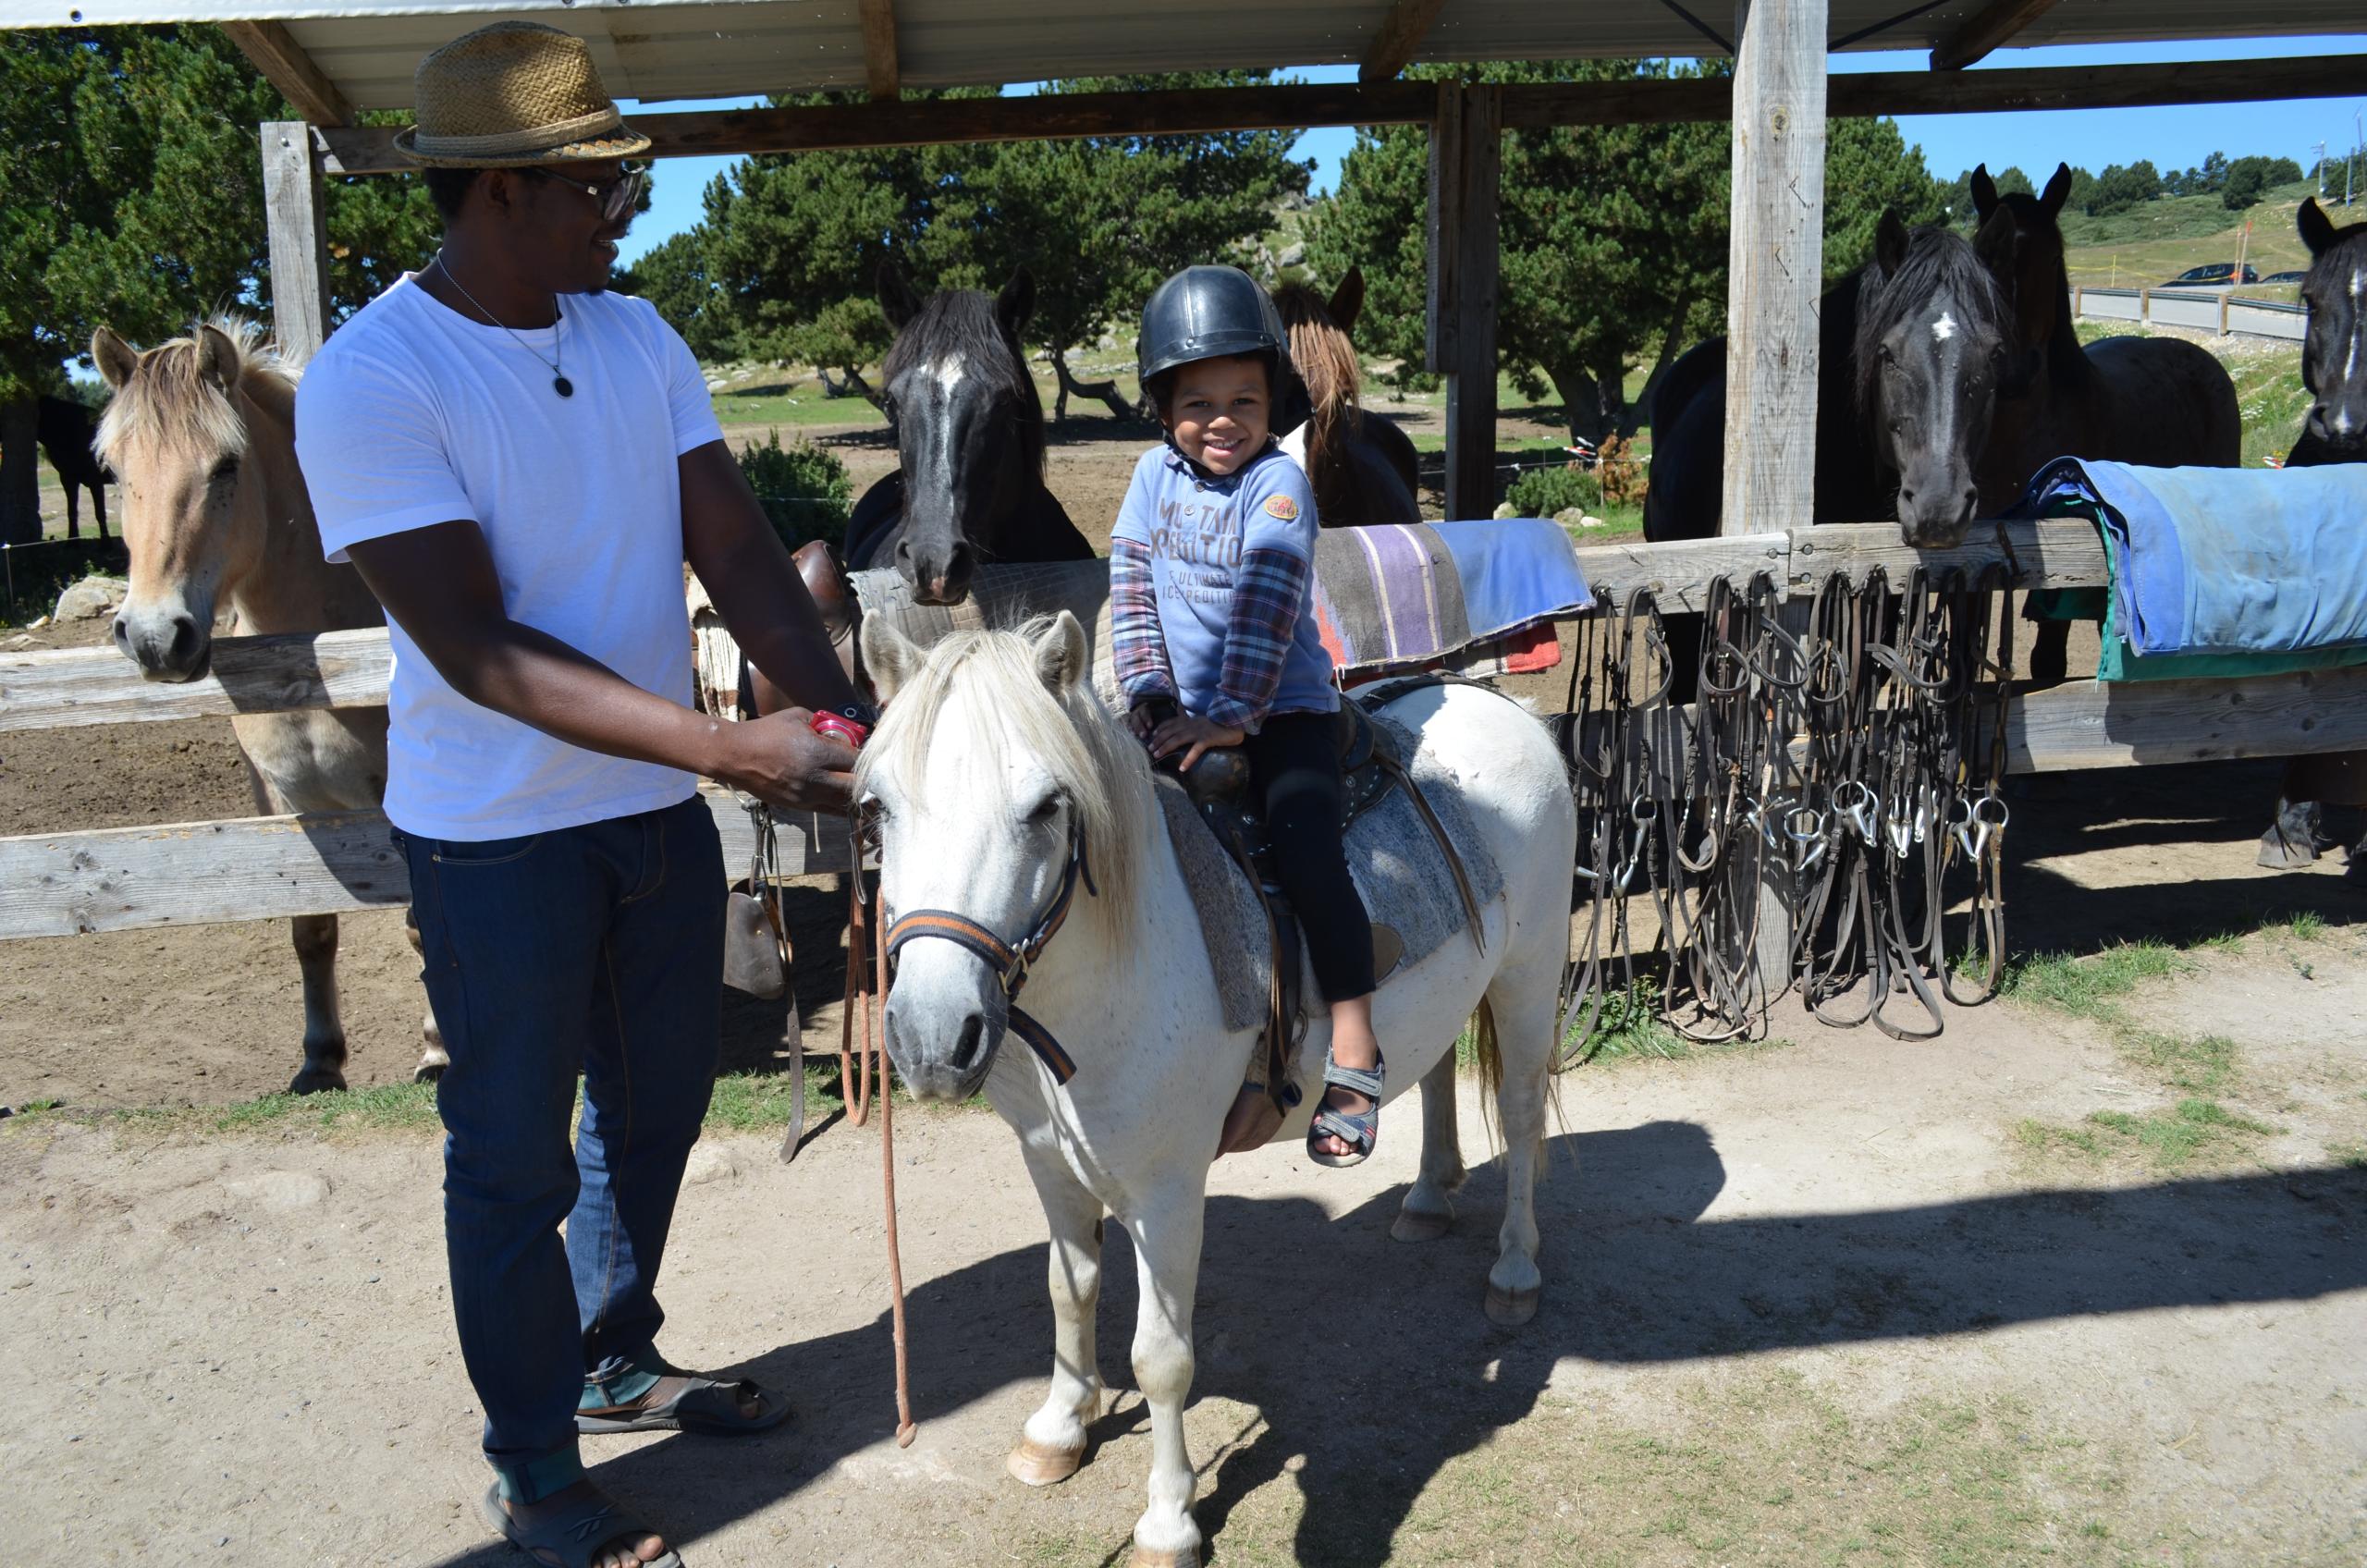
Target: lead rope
(855,1083)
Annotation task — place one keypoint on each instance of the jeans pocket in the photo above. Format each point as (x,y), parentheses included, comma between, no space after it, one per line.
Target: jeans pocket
(482,851)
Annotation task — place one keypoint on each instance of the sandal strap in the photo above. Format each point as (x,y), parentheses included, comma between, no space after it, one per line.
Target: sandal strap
(1368,1084)
(1347,1126)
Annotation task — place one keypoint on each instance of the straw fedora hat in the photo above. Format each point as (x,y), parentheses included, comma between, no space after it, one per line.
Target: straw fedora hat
(513,95)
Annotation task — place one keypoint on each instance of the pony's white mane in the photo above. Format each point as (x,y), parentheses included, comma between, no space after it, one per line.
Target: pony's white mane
(1007,708)
(167,403)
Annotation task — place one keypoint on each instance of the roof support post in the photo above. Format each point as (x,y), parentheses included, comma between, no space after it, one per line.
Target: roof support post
(295,204)
(1466,166)
(1774,271)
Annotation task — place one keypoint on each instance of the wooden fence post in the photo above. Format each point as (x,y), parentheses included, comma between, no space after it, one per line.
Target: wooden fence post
(295,202)
(1774,271)
(1466,165)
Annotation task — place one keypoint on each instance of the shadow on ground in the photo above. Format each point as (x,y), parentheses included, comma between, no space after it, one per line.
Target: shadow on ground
(1633,1275)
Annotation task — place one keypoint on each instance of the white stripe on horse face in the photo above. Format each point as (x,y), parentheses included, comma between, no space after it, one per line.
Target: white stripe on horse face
(949,371)
(1945,328)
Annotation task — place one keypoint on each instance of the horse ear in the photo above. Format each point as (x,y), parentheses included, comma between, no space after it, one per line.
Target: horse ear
(115,359)
(1994,243)
(2317,229)
(1348,301)
(1890,241)
(2057,192)
(889,658)
(1984,191)
(1062,651)
(217,357)
(897,300)
(1017,301)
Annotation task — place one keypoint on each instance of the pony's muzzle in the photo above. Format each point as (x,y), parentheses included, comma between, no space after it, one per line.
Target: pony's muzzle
(945,1022)
(1936,517)
(166,641)
(937,574)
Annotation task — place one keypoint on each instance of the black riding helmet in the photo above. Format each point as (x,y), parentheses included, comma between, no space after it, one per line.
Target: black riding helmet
(1210,314)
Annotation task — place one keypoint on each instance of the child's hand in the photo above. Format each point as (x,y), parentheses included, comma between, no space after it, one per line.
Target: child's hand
(1193,737)
(1143,721)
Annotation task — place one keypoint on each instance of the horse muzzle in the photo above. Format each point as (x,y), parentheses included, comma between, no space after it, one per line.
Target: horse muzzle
(167,641)
(1937,516)
(2342,424)
(943,1034)
(937,574)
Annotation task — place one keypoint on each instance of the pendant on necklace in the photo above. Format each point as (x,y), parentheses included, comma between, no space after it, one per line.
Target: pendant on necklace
(563,387)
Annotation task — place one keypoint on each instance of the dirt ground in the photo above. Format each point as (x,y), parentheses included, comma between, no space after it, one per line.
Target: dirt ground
(1824,1299)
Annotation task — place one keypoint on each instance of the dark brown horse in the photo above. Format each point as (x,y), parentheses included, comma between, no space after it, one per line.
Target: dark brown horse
(2334,367)
(1363,469)
(2155,402)
(65,433)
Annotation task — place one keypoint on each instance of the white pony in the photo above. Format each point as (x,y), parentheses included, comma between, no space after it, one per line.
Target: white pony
(1003,790)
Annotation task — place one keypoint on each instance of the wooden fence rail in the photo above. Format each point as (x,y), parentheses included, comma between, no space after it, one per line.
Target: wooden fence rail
(259,868)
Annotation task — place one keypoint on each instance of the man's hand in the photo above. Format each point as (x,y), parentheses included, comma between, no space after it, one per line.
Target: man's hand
(1193,737)
(789,767)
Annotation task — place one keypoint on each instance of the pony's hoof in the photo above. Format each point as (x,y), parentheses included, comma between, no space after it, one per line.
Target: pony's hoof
(316,1079)
(1510,1309)
(1410,1226)
(430,1069)
(1036,1466)
(1145,1558)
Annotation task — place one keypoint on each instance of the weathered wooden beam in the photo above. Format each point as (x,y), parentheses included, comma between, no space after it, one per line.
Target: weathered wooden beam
(2059,553)
(63,687)
(2138,723)
(1476,157)
(1401,33)
(879,66)
(273,51)
(1985,30)
(1678,574)
(273,867)
(296,213)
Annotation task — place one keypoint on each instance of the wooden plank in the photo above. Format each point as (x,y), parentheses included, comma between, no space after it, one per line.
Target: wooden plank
(1471,369)
(296,206)
(273,867)
(2057,553)
(1530,107)
(1678,573)
(879,66)
(273,51)
(1985,30)
(2139,723)
(65,687)
(1442,221)
(1401,33)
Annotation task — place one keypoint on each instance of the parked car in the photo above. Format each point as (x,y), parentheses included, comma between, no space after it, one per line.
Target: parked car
(2211,275)
(2286,277)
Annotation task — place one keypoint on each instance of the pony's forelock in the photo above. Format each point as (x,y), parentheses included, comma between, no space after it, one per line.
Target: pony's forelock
(167,405)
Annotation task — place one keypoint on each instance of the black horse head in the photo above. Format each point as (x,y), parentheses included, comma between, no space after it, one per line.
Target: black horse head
(2333,361)
(1931,349)
(969,425)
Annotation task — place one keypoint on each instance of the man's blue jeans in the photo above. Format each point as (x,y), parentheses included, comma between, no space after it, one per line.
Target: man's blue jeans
(595,949)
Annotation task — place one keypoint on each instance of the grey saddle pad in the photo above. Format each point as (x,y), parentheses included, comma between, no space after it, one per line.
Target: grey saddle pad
(1396,864)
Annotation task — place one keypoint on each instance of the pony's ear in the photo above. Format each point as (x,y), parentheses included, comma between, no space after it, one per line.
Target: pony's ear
(1994,243)
(217,357)
(889,657)
(1061,651)
(115,359)
(2317,229)
(1984,191)
(1016,302)
(1890,242)
(897,300)
(1348,301)
(2057,192)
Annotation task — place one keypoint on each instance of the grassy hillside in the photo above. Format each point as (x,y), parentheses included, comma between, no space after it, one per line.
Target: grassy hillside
(2154,241)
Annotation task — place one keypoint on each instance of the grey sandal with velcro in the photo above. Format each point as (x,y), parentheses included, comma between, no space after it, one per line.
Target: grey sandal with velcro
(1359,1130)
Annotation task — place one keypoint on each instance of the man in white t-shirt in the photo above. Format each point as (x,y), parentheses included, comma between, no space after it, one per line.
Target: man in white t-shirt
(519,463)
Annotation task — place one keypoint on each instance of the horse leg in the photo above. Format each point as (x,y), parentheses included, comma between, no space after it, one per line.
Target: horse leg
(1051,1445)
(2051,653)
(432,1059)
(73,511)
(1523,997)
(316,936)
(99,506)
(1427,1212)
(1166,1264)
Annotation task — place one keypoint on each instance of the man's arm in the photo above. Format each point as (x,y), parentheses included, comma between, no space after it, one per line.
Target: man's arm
(438,583)
(748,574)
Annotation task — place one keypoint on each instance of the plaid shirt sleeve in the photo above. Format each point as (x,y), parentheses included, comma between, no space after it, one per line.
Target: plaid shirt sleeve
(1267,595)
(1139,649)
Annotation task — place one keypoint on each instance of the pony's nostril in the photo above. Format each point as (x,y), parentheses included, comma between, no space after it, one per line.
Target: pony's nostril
(184,639)
(1907,494)
(965,1050)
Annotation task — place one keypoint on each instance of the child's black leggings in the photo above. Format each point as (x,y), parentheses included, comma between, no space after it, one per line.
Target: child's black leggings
(1294,762)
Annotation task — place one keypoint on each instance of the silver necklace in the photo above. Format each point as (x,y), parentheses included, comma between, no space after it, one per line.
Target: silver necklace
(559,383)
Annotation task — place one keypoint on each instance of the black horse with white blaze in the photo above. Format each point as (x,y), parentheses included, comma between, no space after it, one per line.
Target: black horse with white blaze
(969,487)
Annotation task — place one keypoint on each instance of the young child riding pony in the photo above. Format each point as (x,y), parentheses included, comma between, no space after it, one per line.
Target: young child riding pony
(1211,593)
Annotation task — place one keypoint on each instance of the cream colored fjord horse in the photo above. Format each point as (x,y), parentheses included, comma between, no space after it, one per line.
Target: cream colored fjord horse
(1003,790)
(202,434)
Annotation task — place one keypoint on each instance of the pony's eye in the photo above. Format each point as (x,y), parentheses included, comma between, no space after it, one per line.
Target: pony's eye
(1044,811)
(227,470)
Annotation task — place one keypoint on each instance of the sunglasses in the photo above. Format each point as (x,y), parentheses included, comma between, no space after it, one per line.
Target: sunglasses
(616,196)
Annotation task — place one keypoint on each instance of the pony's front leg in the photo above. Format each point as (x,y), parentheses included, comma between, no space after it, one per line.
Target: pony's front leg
(1167,1260)
(1051,1445)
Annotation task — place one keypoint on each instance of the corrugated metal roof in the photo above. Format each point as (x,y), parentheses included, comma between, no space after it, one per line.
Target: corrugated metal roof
(656,50)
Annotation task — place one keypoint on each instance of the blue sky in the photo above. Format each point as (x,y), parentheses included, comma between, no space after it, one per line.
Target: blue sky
(2037,141)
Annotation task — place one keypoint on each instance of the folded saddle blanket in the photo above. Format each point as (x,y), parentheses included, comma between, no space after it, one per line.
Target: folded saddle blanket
(1396,864)
(2218,571)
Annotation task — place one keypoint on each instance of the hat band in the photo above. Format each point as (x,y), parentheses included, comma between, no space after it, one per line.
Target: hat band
(505,143)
